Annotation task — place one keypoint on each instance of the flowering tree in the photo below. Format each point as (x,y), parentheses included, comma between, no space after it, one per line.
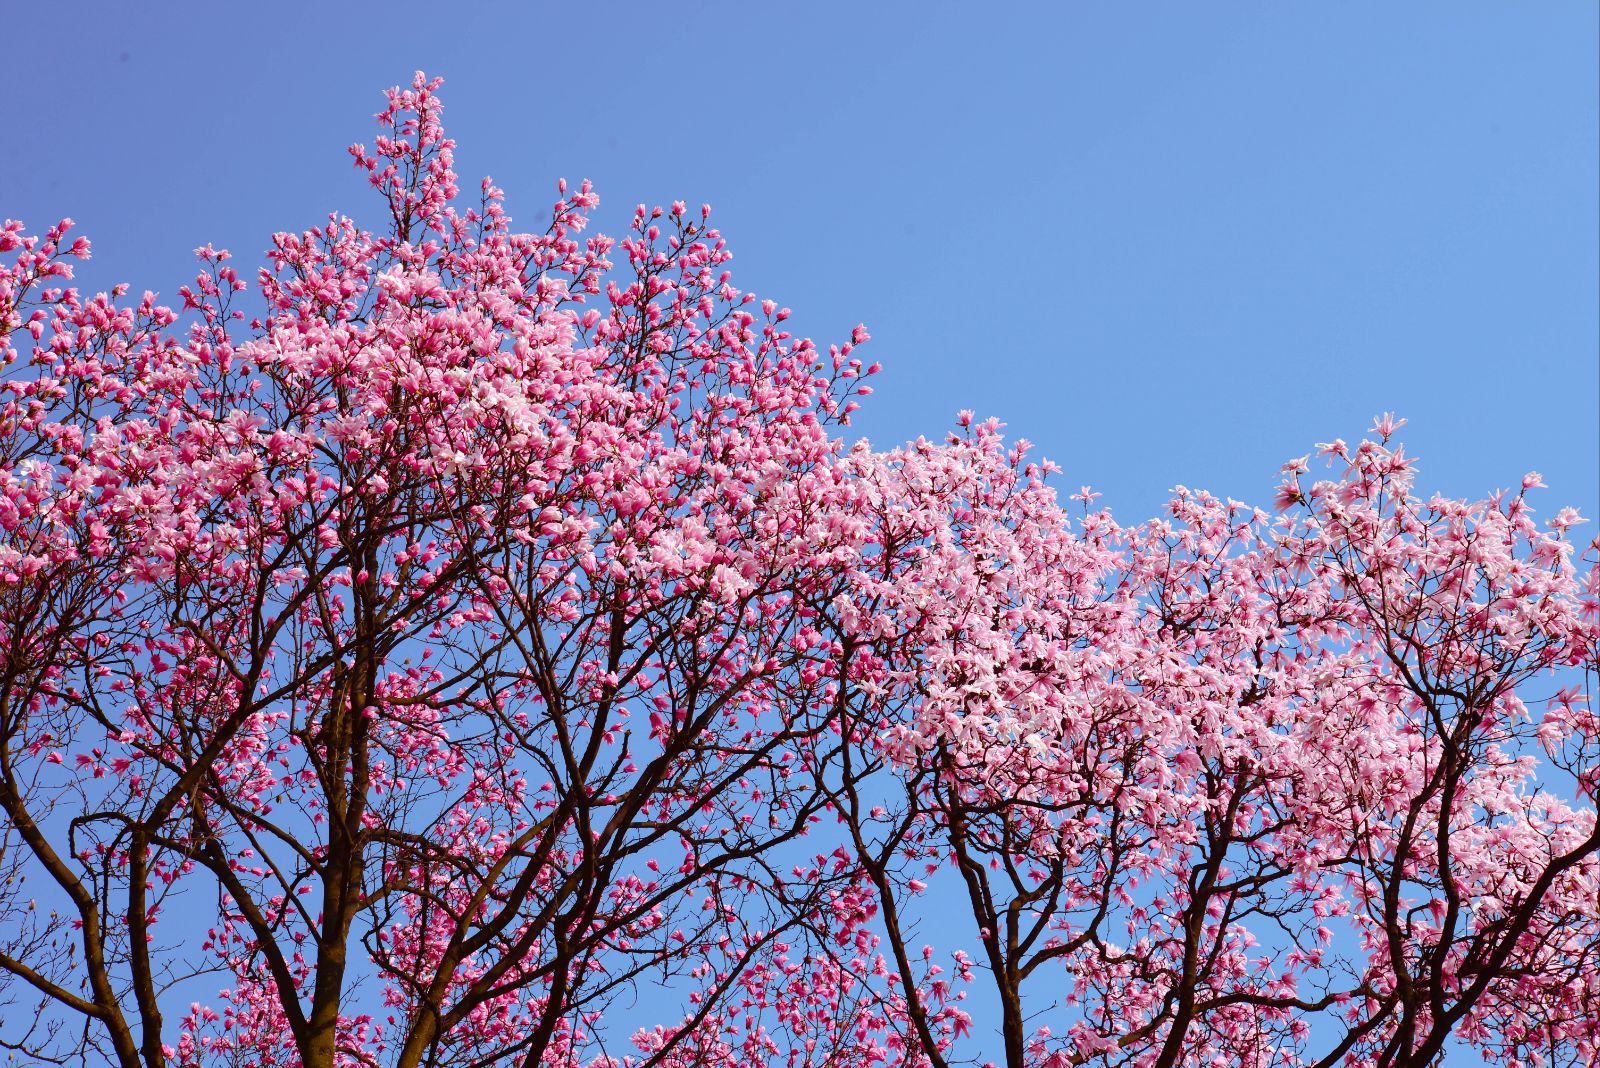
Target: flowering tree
(491,626)
(1224,790)
(457,637)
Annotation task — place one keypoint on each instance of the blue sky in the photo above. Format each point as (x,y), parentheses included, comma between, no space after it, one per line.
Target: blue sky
(1170,244)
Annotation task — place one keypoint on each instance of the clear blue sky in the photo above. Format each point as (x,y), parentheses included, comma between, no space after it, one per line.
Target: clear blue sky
(1170,243)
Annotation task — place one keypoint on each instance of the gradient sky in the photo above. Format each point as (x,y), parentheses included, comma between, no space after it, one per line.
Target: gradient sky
(1170,243)
(1177,244)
